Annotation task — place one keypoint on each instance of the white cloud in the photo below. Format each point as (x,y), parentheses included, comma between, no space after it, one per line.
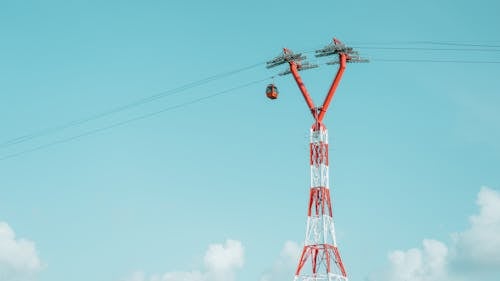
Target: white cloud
(18,257)
(472,254)
(137,276)
(479,246)
(221,262)
(181,276)
(284,266)
(427,264)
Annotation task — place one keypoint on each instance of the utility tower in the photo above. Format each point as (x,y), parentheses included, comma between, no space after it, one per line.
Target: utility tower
(320,258)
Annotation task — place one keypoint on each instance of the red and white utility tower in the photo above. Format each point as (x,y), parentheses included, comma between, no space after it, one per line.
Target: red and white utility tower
(320,258)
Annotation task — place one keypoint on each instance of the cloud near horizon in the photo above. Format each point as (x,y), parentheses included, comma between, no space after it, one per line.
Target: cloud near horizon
(221,262)
(473,254)
(19,260)
(284,266)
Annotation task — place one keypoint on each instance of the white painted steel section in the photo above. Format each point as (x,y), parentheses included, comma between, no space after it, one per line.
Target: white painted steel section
(319,171)
(320,229)
(319,135)
(321,277)
(331,228)
(319,176)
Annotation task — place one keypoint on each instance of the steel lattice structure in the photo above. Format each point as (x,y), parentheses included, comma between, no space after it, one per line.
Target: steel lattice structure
(320,257)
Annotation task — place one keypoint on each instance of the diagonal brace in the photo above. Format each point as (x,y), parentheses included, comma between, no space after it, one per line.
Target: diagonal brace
(319,113)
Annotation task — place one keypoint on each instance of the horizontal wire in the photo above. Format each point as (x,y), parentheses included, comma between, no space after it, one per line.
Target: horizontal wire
(187,86)
(122,123)
(117,109)
(482,45)
(460,44)
(427,49)
(435,61)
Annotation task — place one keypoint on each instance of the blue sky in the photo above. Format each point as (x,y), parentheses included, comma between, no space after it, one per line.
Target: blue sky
(411,144)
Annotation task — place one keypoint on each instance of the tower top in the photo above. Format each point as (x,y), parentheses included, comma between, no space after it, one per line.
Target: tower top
(297,63)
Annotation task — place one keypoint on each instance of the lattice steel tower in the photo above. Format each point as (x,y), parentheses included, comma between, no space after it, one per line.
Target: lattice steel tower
(320,258)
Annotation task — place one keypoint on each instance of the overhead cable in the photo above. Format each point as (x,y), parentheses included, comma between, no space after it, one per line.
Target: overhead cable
(130,120)
(124,107)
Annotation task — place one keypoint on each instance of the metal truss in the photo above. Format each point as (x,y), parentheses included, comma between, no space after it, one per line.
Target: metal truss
(320,258)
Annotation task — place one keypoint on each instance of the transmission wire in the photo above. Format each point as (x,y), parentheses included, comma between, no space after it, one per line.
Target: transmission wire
(429,43)
(130,120)
(190,85)
(117,109)
(436,61)
(427,49)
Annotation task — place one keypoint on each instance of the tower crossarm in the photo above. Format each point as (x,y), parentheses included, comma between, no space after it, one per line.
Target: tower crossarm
(296,63)
(345,55)
(319,113)
(286,56)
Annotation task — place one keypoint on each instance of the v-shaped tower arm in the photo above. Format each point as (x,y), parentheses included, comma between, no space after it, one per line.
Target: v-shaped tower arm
(335,83)
(319,113)
(295,60)
(302,87)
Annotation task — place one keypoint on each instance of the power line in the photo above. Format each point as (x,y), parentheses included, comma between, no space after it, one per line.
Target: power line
(436,61)
(200,82)
(117,109)
(461,44)
(474,44)
(428,49)
(130,120)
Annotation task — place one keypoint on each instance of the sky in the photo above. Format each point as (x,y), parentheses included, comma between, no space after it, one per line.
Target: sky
(188,188)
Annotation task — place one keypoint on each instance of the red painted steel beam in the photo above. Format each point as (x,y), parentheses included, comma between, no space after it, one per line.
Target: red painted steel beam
(331,92)
(339,260)
(302,87)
